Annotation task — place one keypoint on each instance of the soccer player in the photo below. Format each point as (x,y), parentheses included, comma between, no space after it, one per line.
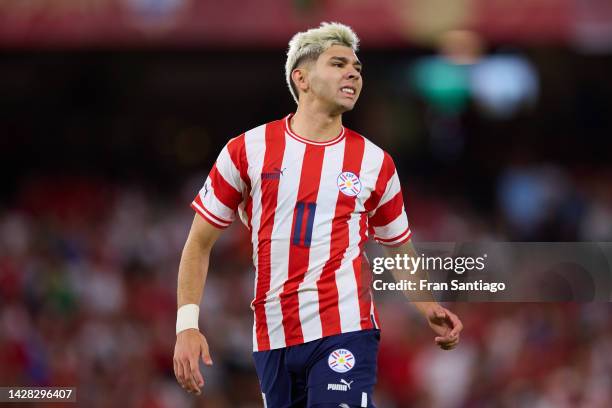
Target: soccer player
(310,191)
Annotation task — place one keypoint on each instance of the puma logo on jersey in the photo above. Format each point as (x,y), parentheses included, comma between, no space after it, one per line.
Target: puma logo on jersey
(273,175)
(345,386)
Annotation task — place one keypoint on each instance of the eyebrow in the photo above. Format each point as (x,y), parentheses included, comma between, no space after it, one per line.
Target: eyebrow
(346,61)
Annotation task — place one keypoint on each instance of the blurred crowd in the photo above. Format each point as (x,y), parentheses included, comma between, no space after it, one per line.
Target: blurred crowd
(87,299)
(92,223)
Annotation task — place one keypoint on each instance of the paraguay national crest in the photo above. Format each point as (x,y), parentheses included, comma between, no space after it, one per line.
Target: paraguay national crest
(341,360)
(349,184)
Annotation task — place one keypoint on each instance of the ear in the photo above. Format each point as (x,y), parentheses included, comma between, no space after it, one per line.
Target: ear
(300,79)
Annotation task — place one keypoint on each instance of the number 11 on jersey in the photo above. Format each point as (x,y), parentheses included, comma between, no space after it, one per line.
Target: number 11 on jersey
(301,208)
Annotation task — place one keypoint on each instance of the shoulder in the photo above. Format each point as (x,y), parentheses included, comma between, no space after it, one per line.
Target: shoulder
(260,132)
(373,152)
(249,146)
(350,133)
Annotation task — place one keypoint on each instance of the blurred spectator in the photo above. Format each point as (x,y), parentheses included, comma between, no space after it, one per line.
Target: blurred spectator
(94,307)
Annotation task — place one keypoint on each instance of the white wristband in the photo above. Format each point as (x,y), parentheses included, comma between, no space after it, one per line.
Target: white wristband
(187,317)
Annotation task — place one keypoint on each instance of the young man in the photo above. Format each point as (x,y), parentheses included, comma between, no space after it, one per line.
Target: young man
(310,192)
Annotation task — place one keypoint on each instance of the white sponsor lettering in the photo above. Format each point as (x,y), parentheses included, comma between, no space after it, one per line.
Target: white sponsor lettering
(345,386)
(337,387)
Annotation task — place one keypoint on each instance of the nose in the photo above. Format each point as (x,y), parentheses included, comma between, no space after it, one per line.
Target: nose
(353,73)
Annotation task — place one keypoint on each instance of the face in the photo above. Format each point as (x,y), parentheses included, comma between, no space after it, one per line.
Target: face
(334,80)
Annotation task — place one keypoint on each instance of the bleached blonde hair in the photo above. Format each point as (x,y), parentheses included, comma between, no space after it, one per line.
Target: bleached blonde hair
(308,45)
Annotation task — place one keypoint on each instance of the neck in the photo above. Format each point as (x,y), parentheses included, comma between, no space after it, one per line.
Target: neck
(316,125)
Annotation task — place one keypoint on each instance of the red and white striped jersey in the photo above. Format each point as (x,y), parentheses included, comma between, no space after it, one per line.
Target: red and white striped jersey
(310,207)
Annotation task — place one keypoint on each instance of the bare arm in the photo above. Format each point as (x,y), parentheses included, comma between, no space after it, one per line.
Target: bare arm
(443,322)
(193,268)
(194,261)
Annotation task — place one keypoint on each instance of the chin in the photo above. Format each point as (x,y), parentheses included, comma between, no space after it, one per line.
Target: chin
(345,107)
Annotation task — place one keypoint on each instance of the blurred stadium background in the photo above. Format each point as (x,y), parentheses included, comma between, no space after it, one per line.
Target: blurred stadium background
(497,113)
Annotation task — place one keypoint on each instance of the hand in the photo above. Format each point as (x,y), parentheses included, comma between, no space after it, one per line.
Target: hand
(446,325)
(190,346)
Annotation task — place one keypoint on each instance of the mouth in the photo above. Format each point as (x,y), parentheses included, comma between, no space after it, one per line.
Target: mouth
(348,91)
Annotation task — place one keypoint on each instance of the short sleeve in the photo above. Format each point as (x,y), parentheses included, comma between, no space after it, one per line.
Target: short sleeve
(222,192)
(388,221)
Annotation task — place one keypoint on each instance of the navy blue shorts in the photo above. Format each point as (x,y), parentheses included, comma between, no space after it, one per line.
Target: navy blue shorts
(335,371)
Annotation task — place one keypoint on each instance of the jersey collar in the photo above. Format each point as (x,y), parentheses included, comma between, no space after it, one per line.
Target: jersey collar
(308,141)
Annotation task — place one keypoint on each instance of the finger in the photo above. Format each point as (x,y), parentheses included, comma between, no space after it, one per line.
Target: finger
(193,369)
(448,347)
(444,339)
(457,325)
(178,371)
(453,342)
(440,313)
(192,380)
(447,343)
(205,353)
(450,343)
(453,319)
(183,378)
(189,386)
(195,374)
